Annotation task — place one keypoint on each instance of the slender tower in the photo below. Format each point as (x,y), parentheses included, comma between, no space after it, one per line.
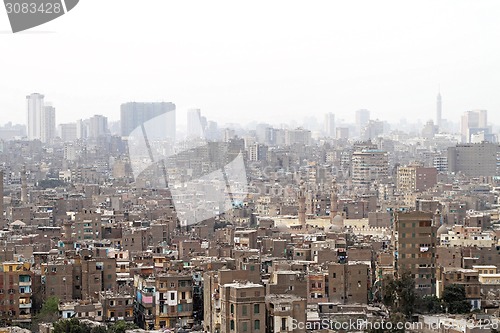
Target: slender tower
(302,204)
(1,195)
(24,186)
(334,204)
(438,111)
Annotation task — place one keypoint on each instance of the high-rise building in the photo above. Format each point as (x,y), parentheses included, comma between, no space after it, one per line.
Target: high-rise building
(416,248)
(474,122)
(330,125)
(369,165)
(41,119)
(134,114)
(35,105)
(48,124)
(362,119)
(194,124)
(98,126)
(439,116)
(474,160)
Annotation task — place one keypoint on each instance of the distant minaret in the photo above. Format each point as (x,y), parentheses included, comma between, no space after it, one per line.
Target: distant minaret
(334,205)
(24,186)
(438,111)
(302,204)
(1,195)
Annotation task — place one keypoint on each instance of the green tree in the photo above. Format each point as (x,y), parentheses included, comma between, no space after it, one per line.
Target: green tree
(121,326)
(71,326)
(399,294)
(429,305)
(49,311)
(454,299)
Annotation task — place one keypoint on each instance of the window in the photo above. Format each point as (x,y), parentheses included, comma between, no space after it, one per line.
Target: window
(232,308)
(172,296)
(232,325)
(283,324)
(256,325)
(256,308)
(244,310)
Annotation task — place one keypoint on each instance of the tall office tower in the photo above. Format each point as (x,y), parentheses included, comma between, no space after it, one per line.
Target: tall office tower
(474,122)
(362,119)
(330,125)
(134,114)
(48,124)
(35,105)
(439,116)
(474,160)
(82,129)
(98,126)
(194,124)
(416,248)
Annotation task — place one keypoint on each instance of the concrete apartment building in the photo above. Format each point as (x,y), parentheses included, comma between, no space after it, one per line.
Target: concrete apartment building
(174,300)
(15,292)
(416,178)
(468,278)
(348,283)
(243,308)
(416,248)
(212,282)
(283,311)
(474,160)
(369,165)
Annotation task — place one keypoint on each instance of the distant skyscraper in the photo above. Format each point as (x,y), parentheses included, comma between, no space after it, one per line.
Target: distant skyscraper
(474,122)
(474,160)
(48,124)
(194,124)
(35,105)
(134,114)
(98,126)
(330,125)
(439,115)
(362,119)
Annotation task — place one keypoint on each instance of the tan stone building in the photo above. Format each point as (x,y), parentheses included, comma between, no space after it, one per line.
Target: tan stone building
(416,248)
(243,308)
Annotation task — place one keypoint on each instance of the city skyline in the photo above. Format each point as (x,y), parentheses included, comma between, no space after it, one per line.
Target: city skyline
(329,64)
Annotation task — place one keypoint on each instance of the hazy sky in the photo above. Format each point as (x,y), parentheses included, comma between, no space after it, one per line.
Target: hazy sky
(258,60)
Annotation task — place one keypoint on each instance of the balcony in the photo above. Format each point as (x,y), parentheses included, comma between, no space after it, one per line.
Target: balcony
(24,305)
